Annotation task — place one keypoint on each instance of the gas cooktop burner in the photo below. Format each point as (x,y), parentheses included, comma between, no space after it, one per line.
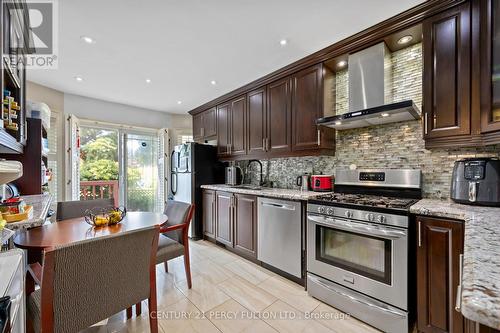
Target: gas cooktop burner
(366,200)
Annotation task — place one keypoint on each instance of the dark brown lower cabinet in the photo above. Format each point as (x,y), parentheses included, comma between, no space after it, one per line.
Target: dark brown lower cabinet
(224,218)
(245,224)
(439,246)
(473,327)
(231,219)
(208,203)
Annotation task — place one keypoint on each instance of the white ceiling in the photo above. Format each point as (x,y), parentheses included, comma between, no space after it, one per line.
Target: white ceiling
(181,45)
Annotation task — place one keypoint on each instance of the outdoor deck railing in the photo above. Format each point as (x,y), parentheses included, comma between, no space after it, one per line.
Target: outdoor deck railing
(99,189)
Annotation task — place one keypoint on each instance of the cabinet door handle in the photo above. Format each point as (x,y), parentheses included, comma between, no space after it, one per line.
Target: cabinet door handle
(214,215)
(267,144)
(264,144)
(425,123)
(319,137)
(203,131)
(419,234)
(458,300)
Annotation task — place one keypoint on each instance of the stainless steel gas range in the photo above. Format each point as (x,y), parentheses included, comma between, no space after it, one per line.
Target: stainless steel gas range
(358,242)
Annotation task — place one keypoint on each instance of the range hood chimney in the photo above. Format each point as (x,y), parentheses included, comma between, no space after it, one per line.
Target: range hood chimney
(370,93)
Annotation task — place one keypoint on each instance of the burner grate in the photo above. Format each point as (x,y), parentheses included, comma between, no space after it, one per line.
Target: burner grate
(367,200)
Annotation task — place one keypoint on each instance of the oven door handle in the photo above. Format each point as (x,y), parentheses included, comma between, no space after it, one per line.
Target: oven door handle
(357,227)
(381,308)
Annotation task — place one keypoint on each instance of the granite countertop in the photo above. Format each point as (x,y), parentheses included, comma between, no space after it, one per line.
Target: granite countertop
(481,261)
(41,204)
(278,193)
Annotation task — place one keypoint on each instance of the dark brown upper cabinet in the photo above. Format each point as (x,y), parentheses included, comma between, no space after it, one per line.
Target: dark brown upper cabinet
(205,125)
(231,128)
(223,129)
(256,127)
(238,128)
(447,73)
(439,246)
(198,127)
(461,85)
(279,117)
(276,121)
(489,12)
(307,107)
(210,123)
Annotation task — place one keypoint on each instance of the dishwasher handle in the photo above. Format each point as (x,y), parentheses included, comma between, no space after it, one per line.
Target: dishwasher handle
(277,205)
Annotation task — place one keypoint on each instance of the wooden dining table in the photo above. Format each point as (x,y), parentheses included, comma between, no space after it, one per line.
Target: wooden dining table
(65,232)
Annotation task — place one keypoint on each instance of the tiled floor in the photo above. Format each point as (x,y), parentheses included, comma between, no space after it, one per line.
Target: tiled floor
(231,294)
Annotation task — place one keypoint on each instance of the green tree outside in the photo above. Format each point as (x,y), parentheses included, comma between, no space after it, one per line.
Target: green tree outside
(99,161)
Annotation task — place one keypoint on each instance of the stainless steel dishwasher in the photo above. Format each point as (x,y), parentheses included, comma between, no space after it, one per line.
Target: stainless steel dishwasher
(279,235)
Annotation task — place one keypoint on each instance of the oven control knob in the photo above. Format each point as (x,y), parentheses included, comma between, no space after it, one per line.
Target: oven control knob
(329,211)
(382,219)
(348,214)
(369,217)
(321,209)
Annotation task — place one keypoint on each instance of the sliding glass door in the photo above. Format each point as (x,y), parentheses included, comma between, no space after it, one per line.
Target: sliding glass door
(115,162)
(140,171)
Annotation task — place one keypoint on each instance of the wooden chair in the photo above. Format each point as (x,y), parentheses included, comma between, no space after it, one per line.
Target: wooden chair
(173,241)
(72,209)
(86,282)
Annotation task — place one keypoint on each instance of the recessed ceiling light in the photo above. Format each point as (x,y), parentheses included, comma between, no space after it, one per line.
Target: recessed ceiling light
(179,102)
(283,42)
(148,80)
(338,123)
(385,114)
(79,78)
(213,82)
(341,63)
(87,39)
(405,39)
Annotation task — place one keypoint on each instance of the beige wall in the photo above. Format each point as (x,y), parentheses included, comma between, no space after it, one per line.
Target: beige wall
(53,98)
(116,113)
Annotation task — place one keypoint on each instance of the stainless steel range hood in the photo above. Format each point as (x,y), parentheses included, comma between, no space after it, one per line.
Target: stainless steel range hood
(370,93)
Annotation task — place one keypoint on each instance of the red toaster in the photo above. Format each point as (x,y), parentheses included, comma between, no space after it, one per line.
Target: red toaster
(322,183)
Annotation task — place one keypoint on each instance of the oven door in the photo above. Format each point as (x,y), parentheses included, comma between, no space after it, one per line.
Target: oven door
(366,257)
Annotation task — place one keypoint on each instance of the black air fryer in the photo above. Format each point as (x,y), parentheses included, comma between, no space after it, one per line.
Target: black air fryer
(476,181)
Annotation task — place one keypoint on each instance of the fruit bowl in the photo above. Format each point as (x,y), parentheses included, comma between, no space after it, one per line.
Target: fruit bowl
(100,217)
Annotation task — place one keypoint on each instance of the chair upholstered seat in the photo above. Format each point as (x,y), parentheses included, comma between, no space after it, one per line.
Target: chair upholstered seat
(34,308)
(168,249)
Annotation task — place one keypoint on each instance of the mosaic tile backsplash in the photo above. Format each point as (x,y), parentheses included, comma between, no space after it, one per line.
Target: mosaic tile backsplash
(398,145)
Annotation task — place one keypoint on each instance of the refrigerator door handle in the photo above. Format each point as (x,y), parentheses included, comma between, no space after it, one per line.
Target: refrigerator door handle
(172,160)
(173,175)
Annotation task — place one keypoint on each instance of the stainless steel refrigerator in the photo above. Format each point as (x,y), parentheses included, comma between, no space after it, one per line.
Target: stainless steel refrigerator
(193,165)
